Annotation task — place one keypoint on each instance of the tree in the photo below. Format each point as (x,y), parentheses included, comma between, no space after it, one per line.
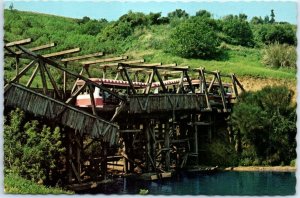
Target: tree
(11,7)
(31,150)
(203,13)
(238,30)
(178,13)
(267,122)
(257,20)
(272,20)
(194,38)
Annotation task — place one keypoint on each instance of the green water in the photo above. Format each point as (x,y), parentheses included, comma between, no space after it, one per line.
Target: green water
(221,183)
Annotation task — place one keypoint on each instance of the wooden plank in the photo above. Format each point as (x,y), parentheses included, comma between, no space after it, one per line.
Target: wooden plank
(148,64)
(202,75)
(92,99)
(182,68)
(189,81)
(42,72)
(116,64)
(59,67)
(129,81)
(52,81)
(20,42)
(61,53)
(222,92)
(32,76)
(75,58)
(234,86)
(130,131)
(41,47)
(104,60)
(16,78)
(160,81)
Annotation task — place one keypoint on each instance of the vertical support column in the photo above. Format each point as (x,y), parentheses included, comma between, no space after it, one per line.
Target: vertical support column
(78,153)
(104,160)
(196,150)
(65,80)
(69,155)
(17,67)
(148,148)
(211,126)
(167,144)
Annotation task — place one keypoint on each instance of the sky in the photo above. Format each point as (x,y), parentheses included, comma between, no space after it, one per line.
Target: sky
(112,10)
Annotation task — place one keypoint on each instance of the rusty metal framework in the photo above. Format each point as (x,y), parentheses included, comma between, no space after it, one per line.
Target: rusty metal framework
(147,131)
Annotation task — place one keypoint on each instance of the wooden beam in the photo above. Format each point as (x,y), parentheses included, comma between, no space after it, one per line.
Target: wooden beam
(75,58)
(222,91)
(189,81)
(129,81)
(160,81)
(43,77)
(20,42)
(148,64)
(59,67)
(202,75)
(235,90)
(92,99)
(52,81)
(41,47)
(16,78)
(151,67)
(104,60)
(116,64)
(61,53)
(32,76)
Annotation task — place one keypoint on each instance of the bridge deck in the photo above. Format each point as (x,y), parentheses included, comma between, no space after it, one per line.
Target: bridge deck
(41,105)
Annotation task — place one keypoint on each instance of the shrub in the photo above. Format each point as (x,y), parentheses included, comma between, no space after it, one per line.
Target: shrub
(194,38)
(267,121)
(293,163)
(238,30)
(271,33)
(31,151)
(280,55)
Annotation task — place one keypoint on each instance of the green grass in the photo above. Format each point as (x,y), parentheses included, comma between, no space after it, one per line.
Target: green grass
(14,184)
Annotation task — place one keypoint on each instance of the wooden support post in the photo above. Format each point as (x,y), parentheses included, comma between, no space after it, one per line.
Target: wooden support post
(189,81)
(65,80)
(92,99)
(167,144)
(32,76)
(75,84)
(78,153)
(129,80)
(195,137)
(180,85)
(148,146)
(149,83)
(211,83)
(160,80)
(24,70)
(42,72)
(202,76)
(222,92)
(104,160)
(69,155)
(55,87)
(17,66)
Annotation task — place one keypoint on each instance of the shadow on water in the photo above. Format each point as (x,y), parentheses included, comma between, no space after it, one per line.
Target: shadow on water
(220,183)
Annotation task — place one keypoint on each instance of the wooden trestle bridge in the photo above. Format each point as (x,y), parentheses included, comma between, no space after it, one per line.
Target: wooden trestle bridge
(151,128)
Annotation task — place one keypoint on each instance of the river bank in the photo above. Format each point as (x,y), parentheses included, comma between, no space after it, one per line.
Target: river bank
(262,168)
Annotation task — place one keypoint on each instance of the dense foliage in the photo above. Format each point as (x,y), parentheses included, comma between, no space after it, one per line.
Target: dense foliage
(30,150)
(266,120)
(14,184)
(280,55)
(194,38)
(238,30)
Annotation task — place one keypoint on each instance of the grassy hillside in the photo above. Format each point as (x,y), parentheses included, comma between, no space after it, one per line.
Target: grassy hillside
(148,42)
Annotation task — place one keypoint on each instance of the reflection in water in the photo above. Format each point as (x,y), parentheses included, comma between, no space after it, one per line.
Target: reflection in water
(221,183)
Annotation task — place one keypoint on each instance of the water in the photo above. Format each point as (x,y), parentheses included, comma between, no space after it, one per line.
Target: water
(221,183)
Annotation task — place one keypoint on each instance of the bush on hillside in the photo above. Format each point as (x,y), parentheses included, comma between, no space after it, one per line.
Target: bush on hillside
(266,120)
(178,13)
(194,38)
(272,33)
(30,150)
(277,55)
(238,30)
